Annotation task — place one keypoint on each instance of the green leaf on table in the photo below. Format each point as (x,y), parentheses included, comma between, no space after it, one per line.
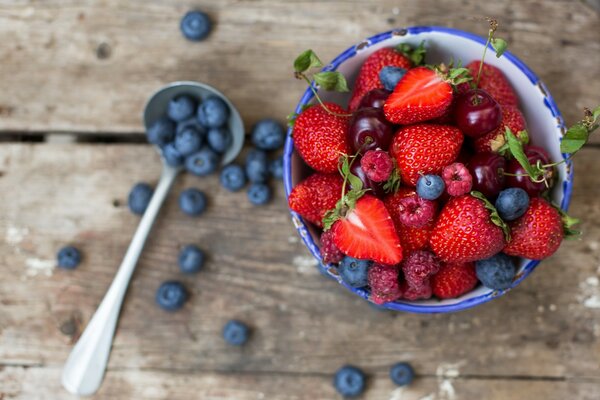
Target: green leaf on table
(331,80)
(499,45)
(574,139)
(515,146)
(306,60)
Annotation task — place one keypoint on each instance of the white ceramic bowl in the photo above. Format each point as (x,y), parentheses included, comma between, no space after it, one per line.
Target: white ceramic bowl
(545,126)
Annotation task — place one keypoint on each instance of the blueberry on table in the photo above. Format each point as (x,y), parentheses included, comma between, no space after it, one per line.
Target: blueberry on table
(139,197)
(259,194)
(219,139)
(349,381)
(233,177)
(402,374)
(181,108)
(276,167)
(188,140)
(430,187)
(195,26)
(171,295)
(161,131)
(390,76)
(268,134)
(354,271)
(236,332)
(191,259)
(203,162)
(68,257)
(257,166)
(512,203)
(172,156)
(496,272)
(213,112)
(192,201)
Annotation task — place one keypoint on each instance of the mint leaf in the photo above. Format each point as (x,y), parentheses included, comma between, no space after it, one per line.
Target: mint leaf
(574,139)
(516,149)
(499,45)
(307,60)
(331,80)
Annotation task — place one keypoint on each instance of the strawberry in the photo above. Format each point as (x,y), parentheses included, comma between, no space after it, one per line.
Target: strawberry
(468,229)
(425,149)
(316,195)
(495,140)
(367,232)
(538,233)
(421,94)
(368,76)
(494,82)
(454,280)
(320,137)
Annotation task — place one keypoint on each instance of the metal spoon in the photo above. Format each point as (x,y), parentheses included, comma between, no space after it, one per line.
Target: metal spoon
(85,367)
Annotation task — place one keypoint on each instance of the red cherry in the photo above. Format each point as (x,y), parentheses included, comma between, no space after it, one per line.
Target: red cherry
(477,113)
(533,189)
(374,98)
(369,130)
(487,170)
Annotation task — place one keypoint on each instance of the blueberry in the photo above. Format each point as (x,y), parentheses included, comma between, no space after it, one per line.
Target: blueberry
(213,112)
(276,167)
(512,203)
(192,201)
(181,108)
(203,162)
(172,156)
(139,197)
(191,123)
(219,139)
(236,332)
(349,381)
(171,295)
(191,259)
(233,177)
(68,257)
(268,134)
(402,374)
(195,26)
(259,194)
(354,271)
(188,141)
(430,187)
(496,272)
(161,131)
(257,166)
(389,76)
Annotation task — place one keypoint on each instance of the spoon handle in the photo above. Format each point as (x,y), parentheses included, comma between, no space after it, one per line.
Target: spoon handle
(84,369)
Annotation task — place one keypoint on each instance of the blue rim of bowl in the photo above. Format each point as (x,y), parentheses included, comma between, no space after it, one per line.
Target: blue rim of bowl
(567,186)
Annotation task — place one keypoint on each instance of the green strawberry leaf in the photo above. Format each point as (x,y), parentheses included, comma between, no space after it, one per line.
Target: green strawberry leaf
(494,216)
(307,60)
(568,223)
(393,183)
(499,45)
(416,55)
(331,80)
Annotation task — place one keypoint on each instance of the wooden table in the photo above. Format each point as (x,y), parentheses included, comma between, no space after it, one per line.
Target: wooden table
(73,80)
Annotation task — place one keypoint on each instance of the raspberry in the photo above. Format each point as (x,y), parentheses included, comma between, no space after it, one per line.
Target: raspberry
(415,293)
(415,211)
(377,164)
(419,266)
(384,283)
(329,251)
(457,178)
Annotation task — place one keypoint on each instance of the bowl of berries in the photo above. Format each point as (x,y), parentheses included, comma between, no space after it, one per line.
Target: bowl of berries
(425,177)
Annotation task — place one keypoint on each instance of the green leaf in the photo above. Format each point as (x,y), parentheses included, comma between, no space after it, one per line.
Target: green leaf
(574,139)
(415,55)
(331,80)
(568,223)
(596,114)
(355,182)
(499,45)
(393,183)
(516,149)
(494,216)
(291,119)
(307,60)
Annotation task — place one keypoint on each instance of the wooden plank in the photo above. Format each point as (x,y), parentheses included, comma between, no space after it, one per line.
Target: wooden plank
(305,326)
(89,66)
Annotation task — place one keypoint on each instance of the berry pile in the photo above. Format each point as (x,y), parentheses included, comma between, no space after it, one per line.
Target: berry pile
(427,185)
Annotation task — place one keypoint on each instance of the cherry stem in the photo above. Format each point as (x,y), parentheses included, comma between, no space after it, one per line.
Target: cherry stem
(301,75)
(493,26)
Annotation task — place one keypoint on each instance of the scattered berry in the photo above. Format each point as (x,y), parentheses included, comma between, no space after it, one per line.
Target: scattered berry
(415,211)
(402,374)
(512,203)
(259,194)
(203,162)
(354,271)
(161,131)
(377,165)
(181,108)
(257,166)
(188,140)
(496,272)
(213,112)
(330,254)
(171,295)
(195,26)
(236,333)
(454,280)
(68,257)
(233,177)
(268,134)
(172,156)
(384,283)
(419,266)
(316,195)
(276,168)
(219,139)
(139,197)
(430,187)
(191,259)
(192,201)
(457,178)
(349,381)
(390,76)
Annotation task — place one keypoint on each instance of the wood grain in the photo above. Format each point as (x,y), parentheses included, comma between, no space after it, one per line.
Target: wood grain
(89,66)
(540,341)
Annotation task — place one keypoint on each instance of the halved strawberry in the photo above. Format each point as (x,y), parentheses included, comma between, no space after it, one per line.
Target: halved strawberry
(367,232)
(422,94)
